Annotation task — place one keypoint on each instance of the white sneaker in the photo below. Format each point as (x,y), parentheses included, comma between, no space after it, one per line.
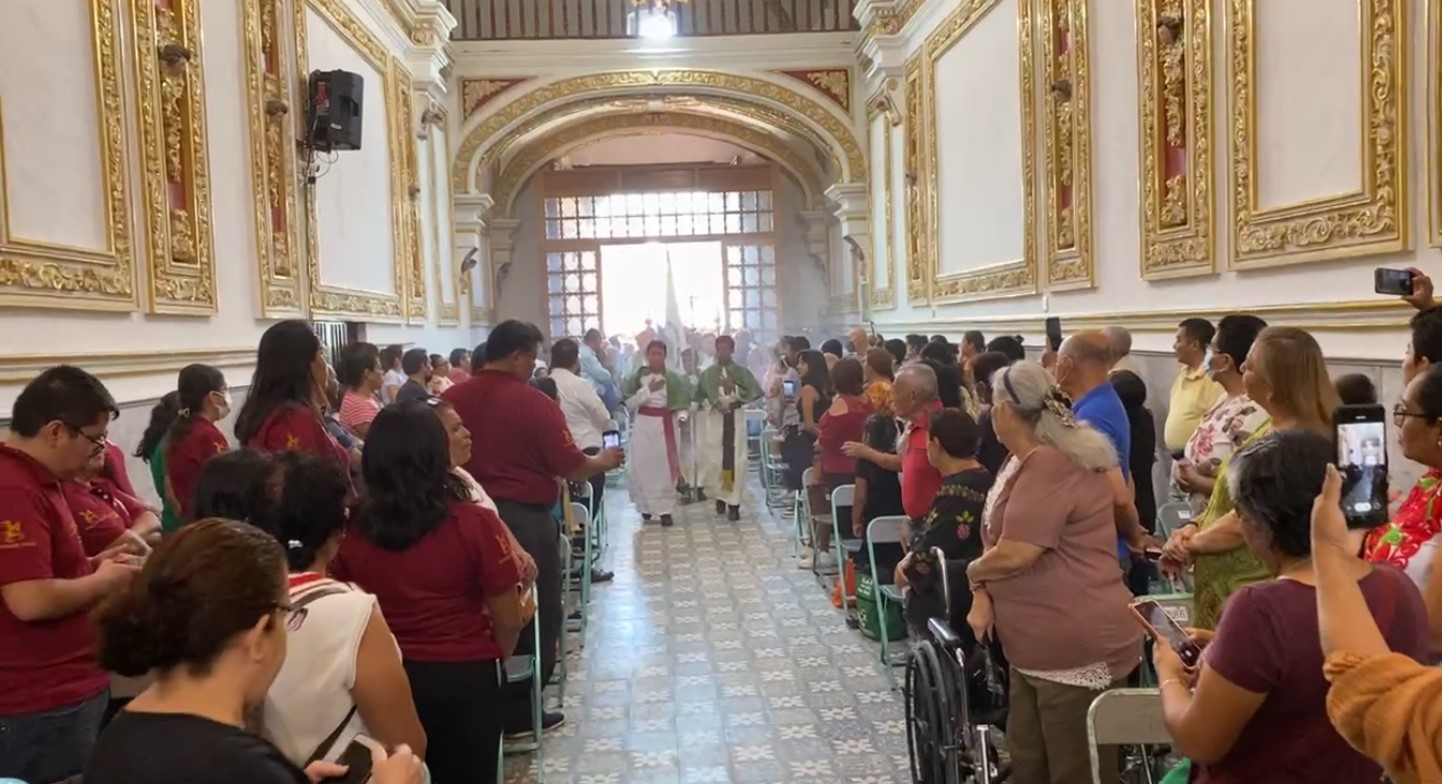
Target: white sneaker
(806,560)
(826,560)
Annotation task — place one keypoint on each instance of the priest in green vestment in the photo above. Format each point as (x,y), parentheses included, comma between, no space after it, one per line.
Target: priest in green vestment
(722,393)
(659,399)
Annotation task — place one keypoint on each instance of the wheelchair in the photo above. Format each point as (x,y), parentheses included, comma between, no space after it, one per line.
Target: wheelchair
(955,707)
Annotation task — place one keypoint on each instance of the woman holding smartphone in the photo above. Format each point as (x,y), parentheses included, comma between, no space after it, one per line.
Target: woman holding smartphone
(207,617)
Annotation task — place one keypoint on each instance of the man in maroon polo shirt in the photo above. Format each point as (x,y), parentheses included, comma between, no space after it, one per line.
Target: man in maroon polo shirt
(913,398)
(523,447)
(53,694)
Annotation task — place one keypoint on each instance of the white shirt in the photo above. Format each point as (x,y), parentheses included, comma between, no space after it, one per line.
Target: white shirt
(391,383)
(586,415)
(312,693)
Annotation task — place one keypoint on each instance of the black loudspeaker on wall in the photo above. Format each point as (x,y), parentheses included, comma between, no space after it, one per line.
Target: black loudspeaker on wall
(334,117)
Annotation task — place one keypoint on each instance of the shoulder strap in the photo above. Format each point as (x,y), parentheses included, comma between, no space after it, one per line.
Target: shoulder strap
(310,598)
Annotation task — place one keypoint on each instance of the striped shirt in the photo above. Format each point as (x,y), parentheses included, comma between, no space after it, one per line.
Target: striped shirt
(357,410)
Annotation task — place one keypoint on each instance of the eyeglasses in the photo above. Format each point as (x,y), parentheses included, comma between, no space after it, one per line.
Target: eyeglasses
(294,616)
(1400,415)
(97,443)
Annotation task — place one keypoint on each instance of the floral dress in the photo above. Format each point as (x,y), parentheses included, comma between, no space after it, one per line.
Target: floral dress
(1411,540)
(1217,577)
(1224,428)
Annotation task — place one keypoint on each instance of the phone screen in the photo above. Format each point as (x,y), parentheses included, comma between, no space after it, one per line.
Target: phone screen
(610,440)
(1053,333)
(1397,282)
(1362,461)
(1164,628)
(357,758)
(788,388)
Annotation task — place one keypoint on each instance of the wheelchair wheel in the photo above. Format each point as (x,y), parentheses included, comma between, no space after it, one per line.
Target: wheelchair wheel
(931,718)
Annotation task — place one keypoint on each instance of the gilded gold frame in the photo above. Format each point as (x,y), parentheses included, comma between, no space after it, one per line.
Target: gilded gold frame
(1433,105)
(1175,85)
(491,128)
(405,130)
(174,153)
(448,314)
(1068,142)
(1371,221)
(269,100)
(918,279)
(337,301)
(882,297)
(1009,278)
(42,274)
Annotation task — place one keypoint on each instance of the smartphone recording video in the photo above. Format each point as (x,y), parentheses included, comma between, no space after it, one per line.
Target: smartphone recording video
(1361,435)
(1053,333)
(611,439)
(1154,617)
(788,388)
(1397,282)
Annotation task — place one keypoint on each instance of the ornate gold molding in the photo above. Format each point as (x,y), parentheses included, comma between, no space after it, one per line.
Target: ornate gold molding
(834,83)
(1434,122)
(918,281)
(1067,165)
(21,368)
(535,154)
(41,274)
(448,314)
(1366,222)
(269,104)
(1008,278)
(889,21)
(762,115)
(1174,61)
(337,301)
(490,128)
(406,192)
(883,292)
(476,94)
(175,169)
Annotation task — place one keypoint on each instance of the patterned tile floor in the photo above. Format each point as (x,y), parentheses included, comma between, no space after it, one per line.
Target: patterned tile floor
(712,658)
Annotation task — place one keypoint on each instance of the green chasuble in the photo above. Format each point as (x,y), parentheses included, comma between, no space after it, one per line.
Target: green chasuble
(708,391)
(678,390)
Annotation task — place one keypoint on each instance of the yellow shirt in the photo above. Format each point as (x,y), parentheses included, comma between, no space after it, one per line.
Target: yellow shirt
(1193,394)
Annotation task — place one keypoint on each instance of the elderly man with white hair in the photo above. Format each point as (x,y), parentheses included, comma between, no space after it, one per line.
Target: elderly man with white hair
(1121,344)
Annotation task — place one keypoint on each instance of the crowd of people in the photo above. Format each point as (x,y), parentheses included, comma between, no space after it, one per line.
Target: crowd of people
(350,576)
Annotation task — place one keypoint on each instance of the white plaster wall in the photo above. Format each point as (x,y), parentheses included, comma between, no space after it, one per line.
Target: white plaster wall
(1116,173)
(353,196)
(49,115)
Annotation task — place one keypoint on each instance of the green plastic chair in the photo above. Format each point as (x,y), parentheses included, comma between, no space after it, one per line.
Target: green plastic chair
(885,530)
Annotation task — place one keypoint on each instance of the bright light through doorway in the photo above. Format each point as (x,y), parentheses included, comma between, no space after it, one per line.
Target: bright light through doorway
(635,285)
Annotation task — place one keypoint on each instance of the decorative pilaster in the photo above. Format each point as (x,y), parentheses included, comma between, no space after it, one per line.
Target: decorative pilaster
(852,208)
(501,239)
(469,225)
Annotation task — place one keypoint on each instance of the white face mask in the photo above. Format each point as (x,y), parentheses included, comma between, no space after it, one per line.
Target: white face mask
(223,409)
(1207,363)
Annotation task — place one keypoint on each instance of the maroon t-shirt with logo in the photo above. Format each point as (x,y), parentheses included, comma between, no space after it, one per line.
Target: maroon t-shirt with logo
(47,664)
(1267,643)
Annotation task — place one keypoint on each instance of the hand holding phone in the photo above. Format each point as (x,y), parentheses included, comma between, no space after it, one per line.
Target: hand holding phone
(1361,437)
(1397,282)
(1154,618)
(611,439)
(788,388)
(1053,333)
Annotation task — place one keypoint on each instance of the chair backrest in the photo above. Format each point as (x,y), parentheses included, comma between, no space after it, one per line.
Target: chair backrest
(945,577)
(807,476)
(1172,516)
(580,513)
(844,495)
(885,530)
(1178,606)
(1127,717)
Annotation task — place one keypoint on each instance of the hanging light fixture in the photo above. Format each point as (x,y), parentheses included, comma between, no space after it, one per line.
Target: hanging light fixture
(653,19)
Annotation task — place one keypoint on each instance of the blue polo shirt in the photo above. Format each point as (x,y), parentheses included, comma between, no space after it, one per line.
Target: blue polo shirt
(1102,409)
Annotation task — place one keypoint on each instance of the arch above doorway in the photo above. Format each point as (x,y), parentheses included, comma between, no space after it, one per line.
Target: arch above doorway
(534,155)
(766,97)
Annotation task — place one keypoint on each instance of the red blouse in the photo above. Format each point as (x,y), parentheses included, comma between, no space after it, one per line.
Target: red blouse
(185,458)
(837,429)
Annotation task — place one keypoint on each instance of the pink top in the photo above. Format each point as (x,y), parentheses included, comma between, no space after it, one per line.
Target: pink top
(1069,610)
(357,410)
(837,429)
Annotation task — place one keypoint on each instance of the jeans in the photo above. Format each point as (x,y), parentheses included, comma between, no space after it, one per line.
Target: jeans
(46,747)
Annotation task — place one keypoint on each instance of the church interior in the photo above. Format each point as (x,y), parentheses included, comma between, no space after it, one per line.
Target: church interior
(178,176)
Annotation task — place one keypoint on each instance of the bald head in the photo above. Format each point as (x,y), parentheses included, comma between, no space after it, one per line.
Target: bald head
(1092,347)
(1084,362)
(914,390)
(1120,340)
